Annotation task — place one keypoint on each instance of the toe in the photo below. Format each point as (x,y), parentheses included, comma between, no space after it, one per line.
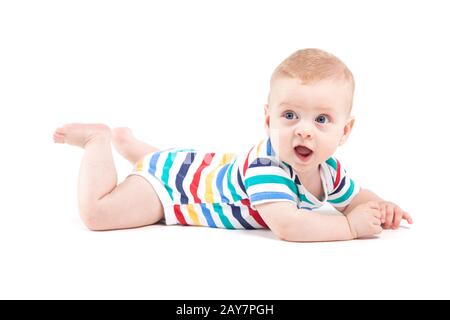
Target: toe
(60,131)
(59,135)
(58,139)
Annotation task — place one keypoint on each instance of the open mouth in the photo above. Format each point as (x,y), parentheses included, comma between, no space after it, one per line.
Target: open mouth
(303,153)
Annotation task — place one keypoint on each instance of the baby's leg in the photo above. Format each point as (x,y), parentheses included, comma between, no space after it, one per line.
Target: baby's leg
(128,146)
(103,204)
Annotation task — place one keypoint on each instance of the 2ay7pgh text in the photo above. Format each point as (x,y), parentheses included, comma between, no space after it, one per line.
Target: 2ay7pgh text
(232,309)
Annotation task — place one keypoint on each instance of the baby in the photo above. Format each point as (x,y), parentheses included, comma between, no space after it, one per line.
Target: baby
(277,184)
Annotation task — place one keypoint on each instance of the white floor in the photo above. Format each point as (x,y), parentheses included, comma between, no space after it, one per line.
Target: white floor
(46,252)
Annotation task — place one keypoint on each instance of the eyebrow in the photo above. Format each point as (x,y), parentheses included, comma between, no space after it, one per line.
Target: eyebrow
(286,105)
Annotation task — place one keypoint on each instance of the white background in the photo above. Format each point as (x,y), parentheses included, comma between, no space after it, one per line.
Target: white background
(195,74)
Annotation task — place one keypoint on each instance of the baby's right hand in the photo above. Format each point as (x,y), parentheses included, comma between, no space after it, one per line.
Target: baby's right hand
(365,220)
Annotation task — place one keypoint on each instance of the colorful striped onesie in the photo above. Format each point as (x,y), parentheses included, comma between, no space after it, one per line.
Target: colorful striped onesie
(220,190)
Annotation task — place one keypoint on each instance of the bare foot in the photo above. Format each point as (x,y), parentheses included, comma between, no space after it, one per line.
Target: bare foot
(80,134)
(128,146)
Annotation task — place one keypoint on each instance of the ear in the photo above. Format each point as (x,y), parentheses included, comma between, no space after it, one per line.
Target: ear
(266,118)
(347,129)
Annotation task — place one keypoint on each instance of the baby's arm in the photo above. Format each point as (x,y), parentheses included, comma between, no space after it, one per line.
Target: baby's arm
(292,224)
(391,214)
(363,196)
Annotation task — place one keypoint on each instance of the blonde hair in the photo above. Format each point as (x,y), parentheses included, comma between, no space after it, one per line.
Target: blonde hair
(313,65)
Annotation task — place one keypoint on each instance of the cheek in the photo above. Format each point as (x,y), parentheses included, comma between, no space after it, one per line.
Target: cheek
(275,133)
(275,139)
(280,139)
(329,142)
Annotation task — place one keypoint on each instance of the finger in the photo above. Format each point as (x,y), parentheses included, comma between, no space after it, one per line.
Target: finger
(373,205)
(398,214)
(407,217)
(376,221)
(376,216)
(389,217)
(377,229)
(383,213)
(376,213)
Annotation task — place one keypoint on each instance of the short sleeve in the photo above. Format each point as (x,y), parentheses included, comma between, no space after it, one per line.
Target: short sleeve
(266,180)
(342,188)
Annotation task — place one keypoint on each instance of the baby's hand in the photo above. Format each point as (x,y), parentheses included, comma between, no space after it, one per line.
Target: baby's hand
(392,214)
(365,220)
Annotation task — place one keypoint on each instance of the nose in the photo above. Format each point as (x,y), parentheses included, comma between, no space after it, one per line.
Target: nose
(303,131)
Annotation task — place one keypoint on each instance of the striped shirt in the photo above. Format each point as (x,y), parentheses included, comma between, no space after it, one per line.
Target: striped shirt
(220,190)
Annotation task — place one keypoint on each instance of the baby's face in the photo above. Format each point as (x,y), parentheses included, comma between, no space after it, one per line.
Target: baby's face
(307,123)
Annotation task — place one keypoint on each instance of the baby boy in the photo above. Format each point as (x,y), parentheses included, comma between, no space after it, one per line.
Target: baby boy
(277,184)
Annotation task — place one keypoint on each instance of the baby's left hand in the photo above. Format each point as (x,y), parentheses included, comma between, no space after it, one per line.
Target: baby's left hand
(392,214)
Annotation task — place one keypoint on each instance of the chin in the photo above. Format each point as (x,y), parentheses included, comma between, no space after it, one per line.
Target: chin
(302,168)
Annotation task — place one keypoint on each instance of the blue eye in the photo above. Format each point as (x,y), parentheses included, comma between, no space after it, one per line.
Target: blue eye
(322,119)
(289,115)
